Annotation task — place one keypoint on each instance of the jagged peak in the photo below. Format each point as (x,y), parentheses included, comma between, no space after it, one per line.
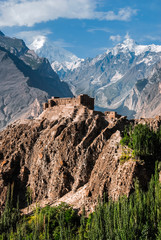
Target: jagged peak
(59,57)
(129,45)
(129,42)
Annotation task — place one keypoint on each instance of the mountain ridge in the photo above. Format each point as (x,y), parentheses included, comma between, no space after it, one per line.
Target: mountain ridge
(132,46)
(26,81)
(111,76)
(61,59)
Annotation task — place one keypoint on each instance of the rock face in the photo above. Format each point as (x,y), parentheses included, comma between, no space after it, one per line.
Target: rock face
(26,81)
(145,98)
(68,154)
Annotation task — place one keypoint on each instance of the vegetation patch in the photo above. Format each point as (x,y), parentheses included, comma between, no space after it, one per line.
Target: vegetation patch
(127,154)
(144,141)
(135,218)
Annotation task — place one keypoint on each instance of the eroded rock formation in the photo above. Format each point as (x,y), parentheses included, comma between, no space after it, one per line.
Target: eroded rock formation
(69,154)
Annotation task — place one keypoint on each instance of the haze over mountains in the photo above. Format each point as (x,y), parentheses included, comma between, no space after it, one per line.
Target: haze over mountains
(117,78)
(26,81)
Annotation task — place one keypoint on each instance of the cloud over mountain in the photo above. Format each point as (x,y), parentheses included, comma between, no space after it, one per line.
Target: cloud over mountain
(116,38)
(30,12)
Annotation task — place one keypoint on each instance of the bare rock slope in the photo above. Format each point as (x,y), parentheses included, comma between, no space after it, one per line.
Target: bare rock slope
(70,154)
(144,100)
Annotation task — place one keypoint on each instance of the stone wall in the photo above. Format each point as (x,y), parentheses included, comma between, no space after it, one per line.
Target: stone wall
(112,115)
(83,99)
(63,101)
(86,101)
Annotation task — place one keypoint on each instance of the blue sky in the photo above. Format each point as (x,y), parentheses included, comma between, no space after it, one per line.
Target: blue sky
(84,27)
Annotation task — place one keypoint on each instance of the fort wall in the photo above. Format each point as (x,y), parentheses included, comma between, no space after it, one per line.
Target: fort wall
(112,115)
(82,99)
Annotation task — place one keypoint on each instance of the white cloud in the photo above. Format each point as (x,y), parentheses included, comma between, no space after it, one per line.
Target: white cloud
(38,42)
(153,38)
(99,29)
(115,38)
(62,43)
(124,14)
(39,37)
(127,36)
(30,12)
(29,36)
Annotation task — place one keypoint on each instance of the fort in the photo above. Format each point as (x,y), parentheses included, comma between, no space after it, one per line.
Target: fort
(112,115)
(82,99)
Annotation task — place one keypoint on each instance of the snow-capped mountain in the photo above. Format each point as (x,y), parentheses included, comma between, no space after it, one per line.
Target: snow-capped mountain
(61,60)
(26,81)
(129,45)
(110,77)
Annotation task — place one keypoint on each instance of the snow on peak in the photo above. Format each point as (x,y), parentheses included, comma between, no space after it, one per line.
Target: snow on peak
(155,48)
(59,57)
(129,45)
(58,66)
(44,48)
(38,43)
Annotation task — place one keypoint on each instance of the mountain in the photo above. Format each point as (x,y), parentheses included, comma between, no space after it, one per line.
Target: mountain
(145,98)
(69,154)
(111,77)
(61,60)
(26,81)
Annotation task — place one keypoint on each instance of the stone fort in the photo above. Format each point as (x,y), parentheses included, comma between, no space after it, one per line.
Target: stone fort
(82,99)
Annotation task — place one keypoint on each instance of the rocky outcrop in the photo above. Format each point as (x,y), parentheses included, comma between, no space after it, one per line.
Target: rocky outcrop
(69,154)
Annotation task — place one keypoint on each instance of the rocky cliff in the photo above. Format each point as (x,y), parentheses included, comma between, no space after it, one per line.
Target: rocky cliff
(70,154)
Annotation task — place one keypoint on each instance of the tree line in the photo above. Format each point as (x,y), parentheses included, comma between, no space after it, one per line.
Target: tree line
(137,217)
